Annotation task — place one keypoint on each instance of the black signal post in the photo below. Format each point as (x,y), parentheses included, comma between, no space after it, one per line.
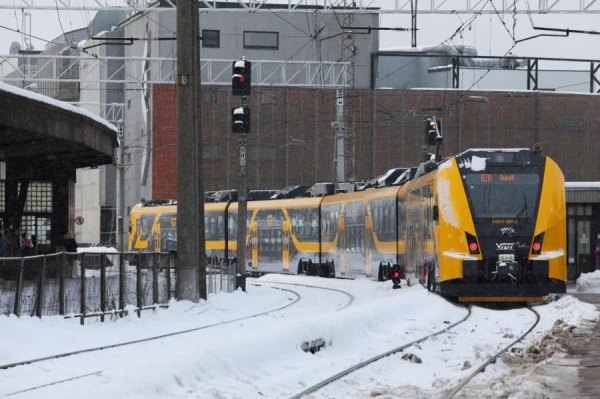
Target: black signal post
(240,124)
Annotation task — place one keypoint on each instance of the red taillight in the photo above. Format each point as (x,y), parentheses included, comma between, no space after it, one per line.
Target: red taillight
(536,247)
(472,242)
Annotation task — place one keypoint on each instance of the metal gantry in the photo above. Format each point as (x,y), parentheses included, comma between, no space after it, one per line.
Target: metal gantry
(149,70)
(362,6)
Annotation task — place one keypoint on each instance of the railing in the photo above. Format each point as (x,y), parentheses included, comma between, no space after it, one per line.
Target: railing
(102,284)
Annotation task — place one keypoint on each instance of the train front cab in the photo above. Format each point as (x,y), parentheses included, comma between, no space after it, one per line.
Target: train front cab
(502,223)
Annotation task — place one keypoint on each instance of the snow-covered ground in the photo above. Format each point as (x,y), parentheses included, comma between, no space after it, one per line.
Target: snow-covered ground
(261,357)
(589,282)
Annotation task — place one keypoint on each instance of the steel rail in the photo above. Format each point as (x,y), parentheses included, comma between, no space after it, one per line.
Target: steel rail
(467,379)
(350,296)
(364,363)
(138,341)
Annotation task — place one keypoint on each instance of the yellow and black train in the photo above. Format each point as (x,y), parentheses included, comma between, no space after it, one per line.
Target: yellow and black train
(487,224)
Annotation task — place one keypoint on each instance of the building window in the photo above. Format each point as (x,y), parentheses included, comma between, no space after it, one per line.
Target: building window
(210,96)
(210,152)
(211,38)
(269,96)
(262,40)
(262,154)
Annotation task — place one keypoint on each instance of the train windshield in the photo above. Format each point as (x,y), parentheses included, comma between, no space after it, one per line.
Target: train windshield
(503,195)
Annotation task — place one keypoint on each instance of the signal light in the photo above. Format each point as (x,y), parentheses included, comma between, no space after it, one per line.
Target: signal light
(433,131)
(473,247)
(241,79)
(396,275)
(240,120)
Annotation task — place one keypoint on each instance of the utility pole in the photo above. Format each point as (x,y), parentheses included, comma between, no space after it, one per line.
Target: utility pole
(120,214)
(340,136)
(191,263)
(413,18)
(241,81)
(242,207)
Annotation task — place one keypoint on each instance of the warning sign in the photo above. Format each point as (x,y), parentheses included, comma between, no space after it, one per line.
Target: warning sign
(79,220)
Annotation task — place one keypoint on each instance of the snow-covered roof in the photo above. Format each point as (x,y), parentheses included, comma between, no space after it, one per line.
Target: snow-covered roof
(583,184)
(56,103)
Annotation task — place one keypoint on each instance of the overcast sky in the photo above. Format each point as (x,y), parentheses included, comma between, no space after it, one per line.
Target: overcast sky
(486,33)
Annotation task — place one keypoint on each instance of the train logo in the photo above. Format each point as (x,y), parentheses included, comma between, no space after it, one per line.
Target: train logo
(507,231)
(505,246)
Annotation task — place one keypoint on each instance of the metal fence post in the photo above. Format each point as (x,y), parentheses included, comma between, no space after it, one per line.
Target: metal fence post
(122,282)
(169,268)
(154,279)
(61,285)
(102,286)
(82,268)
(39,300)
(138,284)
(17,307)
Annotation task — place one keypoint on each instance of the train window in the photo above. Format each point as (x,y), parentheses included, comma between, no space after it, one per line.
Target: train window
(146,222)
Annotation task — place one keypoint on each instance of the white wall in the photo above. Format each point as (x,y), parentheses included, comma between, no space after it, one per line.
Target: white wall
(87,205)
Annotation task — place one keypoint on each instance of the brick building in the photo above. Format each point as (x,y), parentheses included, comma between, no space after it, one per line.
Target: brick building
(292,138)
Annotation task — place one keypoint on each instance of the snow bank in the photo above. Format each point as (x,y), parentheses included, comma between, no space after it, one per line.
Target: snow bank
(589,282)
(65,335)
(97,249)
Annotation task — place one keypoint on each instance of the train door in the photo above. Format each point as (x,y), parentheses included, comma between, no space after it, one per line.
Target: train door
(342,241)
(368,242)
(580,248)
(254,243)
(286,228)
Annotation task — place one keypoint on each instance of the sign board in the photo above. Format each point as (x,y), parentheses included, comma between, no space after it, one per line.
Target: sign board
(79,220)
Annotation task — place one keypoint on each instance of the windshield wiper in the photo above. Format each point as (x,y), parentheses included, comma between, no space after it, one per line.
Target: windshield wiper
(524,209)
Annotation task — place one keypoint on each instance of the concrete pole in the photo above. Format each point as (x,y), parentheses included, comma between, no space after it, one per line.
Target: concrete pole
(191,265)
(242,207)
(340,133)
(413,15)
(121,191)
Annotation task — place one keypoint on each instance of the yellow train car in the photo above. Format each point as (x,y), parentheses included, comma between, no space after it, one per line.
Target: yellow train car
(153,228)
(498,222)
(359,232)
(282,235)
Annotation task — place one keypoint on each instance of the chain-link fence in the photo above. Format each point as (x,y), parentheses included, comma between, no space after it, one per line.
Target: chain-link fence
(96,284)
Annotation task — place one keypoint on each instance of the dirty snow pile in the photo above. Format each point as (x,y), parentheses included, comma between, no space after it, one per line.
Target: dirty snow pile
(539,367)
(589,282)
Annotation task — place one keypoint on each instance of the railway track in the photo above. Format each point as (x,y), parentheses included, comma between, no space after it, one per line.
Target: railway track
(156,337)
(374,359)
(350,296)
(482,367)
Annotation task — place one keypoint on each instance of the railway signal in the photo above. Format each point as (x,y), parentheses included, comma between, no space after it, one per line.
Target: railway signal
(396,276)
(242,78)
(240,120)
(433,129)
(241,81)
